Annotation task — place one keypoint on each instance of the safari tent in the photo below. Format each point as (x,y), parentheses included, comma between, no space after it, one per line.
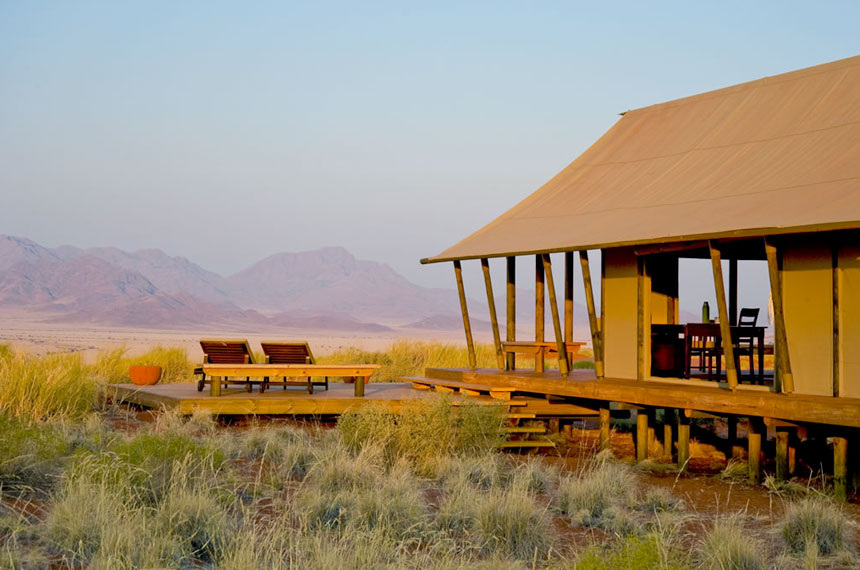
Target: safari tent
(767,170)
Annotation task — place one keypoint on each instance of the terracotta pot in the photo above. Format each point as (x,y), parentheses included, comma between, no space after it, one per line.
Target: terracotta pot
(144,375)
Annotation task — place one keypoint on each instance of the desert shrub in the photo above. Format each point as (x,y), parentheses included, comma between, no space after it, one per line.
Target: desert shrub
(31,456)
(143,466)
(112,365)
(658,499)
(424,430)
(51,387)
(814,523)
(534,476)
(284,452)
(599,495)
(727,546)
(514,524)
(196,516)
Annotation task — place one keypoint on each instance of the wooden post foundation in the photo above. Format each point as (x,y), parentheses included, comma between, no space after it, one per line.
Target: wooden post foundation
(668,440)
(641,436)
(840,468)
(782,472)
(605,427)
(683,441)
(756,427)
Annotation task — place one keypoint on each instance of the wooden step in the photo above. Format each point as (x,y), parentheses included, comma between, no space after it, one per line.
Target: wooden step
(523,443)
(456,385)
(519,416)
(530,429)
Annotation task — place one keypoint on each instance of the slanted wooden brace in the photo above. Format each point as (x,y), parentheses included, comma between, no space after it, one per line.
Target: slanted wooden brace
(467,325)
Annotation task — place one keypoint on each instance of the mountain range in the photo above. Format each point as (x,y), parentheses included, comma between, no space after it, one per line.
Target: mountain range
(325,289)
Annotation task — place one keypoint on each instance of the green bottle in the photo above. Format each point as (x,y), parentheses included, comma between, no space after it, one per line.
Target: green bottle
(706,312)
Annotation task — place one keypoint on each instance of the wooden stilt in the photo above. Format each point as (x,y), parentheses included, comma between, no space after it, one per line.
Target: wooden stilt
(840,468)
(554,425)
(540,319)
(215,386)
(592,314)
(783,362)
(641,436)
(467,325)
(605,427)
(668,443)
(563,366)
(683,441)
(733,292)
(652,431)
(511,301)
(491,303)
(754,434)
(735,449)
(568,296)
(781,455)
(725,326)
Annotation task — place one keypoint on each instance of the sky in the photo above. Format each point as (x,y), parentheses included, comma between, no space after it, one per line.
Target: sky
(228,131)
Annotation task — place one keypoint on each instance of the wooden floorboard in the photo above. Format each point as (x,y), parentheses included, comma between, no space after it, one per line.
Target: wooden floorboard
(751,401)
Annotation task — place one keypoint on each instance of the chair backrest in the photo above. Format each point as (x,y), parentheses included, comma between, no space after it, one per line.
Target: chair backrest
(748,317)
(298,352)
(226,351)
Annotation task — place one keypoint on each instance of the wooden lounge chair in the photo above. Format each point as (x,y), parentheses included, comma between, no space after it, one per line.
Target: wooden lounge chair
(290,352)
(225,351)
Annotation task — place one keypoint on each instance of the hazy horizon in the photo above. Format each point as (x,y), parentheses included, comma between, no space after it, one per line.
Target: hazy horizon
(225,133)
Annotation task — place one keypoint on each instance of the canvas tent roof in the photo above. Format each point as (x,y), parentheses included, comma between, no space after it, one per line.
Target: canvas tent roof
(770,156)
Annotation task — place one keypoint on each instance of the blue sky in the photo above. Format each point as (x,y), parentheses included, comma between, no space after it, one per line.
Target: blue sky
(227,131)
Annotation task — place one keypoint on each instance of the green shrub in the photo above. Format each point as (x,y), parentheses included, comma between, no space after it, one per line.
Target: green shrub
(631,553)
(31,456)
(514,524)
(814,523)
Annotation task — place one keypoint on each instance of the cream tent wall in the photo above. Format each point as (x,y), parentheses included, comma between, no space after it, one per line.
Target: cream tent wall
(772,156)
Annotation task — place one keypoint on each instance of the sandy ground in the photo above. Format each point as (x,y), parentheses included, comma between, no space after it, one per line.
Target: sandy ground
(89,339)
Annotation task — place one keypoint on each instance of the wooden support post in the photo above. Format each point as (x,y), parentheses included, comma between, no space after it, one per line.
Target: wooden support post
(641,436)
(754,433)
(834,257)
(652,430)
(592,314)
(782,455)
(735,450)
(554,425)
(358,388)
(668,440)
(467,325)
(215,386)
(563,366)
(605,427)
(540,319)
(725,326)
(511,301)
(491,303)
(733,292)
(783,362)
(840,468)
(683,441)
(641,357)
(568,296)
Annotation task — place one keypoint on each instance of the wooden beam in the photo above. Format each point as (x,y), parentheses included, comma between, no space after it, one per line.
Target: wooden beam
(783,361)
(733,292)
(491,303)
(725,326)
(592,314)
(511,302)
(467,325)
(568,296)
(563,365)
(540,305)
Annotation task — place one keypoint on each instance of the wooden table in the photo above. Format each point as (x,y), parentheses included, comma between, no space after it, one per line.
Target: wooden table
(710,332)
(539,349)
(360,372)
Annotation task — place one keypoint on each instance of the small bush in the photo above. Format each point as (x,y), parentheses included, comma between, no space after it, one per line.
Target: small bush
(631,553)
(31,456)
(514,524)
(727,546)
(814,523)
(599,495)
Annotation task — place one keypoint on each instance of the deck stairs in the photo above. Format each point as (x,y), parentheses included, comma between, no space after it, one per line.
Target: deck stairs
(519,435)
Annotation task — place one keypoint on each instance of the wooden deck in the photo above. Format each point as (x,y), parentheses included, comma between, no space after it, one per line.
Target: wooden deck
(235,400)
(585,390)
